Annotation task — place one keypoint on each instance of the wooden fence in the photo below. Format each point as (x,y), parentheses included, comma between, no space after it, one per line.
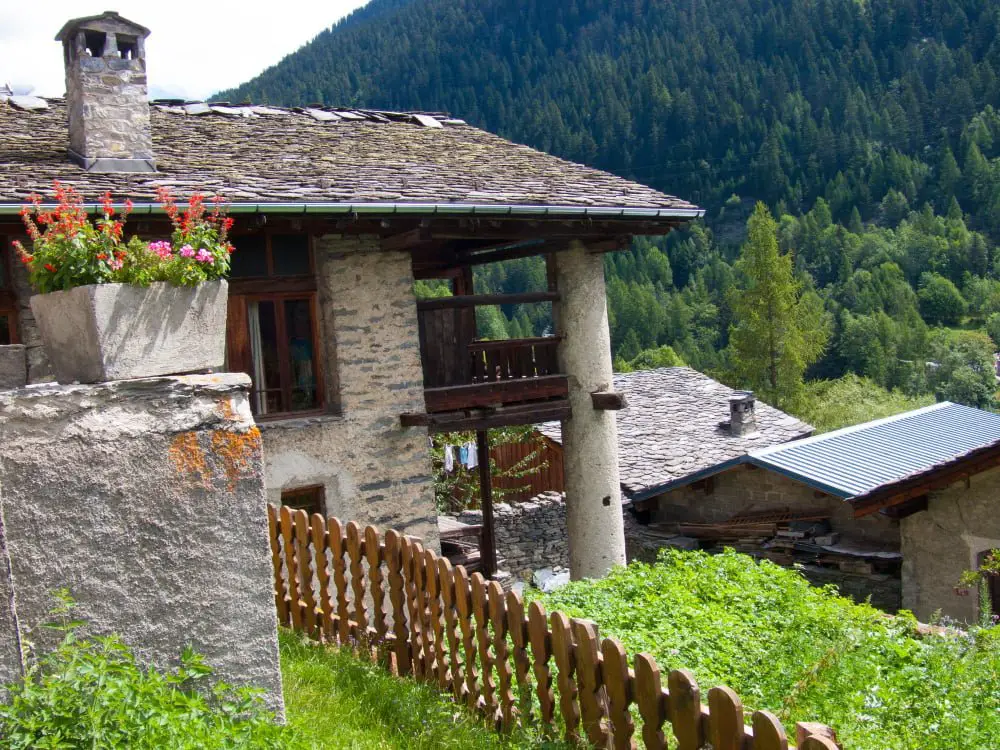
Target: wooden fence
(514,664)
(545,471)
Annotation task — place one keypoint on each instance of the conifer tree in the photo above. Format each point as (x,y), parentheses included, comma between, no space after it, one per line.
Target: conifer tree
(777,331)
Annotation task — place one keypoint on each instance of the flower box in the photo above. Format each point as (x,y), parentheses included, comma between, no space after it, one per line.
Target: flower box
(101,332)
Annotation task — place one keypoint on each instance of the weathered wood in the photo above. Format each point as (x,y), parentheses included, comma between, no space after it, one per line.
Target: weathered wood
(685,710)
(412,552)
(318,531)
(481,300)
(818,743)
(376,584)
(437,620)
(501,652)
(593,699)
(488,419)
(495,393)
(463,603)
(618,684)
(486,664)
(805,729)
(280,587)
(768,734)
(360,620)
(608,400)
(397,600)
(562,650)
(487,540)
(291,566)
(517,626)
(541,653)
(446,576)
(336,542)
(652,704)
(725,722)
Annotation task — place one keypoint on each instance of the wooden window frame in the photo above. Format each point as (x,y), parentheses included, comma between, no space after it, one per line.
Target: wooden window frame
(276,289)
(8,296)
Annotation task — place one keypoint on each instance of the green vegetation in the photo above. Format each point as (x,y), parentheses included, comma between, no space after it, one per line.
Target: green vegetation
(832,404)
(804,653)
(336,700)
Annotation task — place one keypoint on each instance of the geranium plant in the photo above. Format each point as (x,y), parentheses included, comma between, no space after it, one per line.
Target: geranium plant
(69,249)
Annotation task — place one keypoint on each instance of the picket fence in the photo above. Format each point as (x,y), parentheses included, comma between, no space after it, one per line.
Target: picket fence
(419,616)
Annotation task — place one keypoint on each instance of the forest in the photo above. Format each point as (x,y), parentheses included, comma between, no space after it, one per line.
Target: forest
(870,129)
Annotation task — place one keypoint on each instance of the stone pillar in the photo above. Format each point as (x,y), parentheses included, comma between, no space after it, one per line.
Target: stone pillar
(590,436)
(144,498)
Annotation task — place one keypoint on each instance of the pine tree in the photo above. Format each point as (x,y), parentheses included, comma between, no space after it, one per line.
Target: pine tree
(777,330)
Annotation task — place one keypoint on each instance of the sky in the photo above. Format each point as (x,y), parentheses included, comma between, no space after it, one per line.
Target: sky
(194,50)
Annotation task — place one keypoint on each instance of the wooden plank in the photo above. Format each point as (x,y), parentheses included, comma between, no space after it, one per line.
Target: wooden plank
(517,626)
(280,589)
(437,618)
(725,711)
(495,393)
(684,706)
(397,600)
(562,650)
(649,696)
(608,400)
(543,411)
(486,664)
(291,566)
(593,699)
(527,343)
(376,584)
(806,729)
(318,530)
(768,734)
(463,604)
(446,576)
(481,300)
(541,653)
(618,684)
(336,542)
(502,656)
(423,663)
(818,743)
(360,620)
(487,540)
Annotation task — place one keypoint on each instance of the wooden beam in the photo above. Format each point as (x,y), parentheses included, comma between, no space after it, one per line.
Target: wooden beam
(494,393)
(608,400)
(480,300)
(484,419)
(487,545)
(584,229)
(404,240)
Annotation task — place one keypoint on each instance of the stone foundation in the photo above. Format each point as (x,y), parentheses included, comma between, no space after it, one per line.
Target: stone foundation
(145,499)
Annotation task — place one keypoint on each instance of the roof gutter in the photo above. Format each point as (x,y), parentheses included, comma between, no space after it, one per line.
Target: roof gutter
(410,209)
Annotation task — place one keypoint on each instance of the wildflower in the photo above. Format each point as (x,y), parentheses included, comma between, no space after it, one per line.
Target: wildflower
(116,264)
(102,256)
(204,256)
(162,249)
(187,251)
(50,267)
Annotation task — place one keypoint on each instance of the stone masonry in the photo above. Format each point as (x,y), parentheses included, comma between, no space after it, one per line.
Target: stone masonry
(373,471)
(144,498)
(530,535)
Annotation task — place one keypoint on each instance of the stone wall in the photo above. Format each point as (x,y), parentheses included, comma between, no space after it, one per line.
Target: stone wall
(530,535)
(38,362)
(145,498)
(746,489)
(373,471)
(939,544)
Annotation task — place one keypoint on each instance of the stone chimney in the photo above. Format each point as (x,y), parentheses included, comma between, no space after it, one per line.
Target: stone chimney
(742,419)
(106,96)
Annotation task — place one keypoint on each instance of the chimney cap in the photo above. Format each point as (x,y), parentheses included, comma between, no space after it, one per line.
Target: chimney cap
(108,17)
(738,397)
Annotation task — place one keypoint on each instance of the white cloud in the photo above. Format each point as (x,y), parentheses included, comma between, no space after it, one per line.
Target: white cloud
(195,49)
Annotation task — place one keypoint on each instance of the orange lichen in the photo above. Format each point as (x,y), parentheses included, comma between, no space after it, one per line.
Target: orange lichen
(236,452)
(189,458)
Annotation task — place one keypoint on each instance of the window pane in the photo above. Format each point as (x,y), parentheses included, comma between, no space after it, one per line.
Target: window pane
(250,258)
(266,375)
(290,253)
(298,320)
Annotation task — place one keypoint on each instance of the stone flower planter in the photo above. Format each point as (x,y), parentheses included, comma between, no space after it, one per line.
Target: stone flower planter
(106,332)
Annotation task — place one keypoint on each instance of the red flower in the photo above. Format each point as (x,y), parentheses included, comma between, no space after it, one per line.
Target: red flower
(50,267)
(102,256)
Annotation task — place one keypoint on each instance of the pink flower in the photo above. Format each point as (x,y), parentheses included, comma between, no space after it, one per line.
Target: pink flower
(187,251)
(204,256)
(162,249)
(115,264)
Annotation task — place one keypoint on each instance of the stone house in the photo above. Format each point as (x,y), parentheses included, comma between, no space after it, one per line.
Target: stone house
(338,211)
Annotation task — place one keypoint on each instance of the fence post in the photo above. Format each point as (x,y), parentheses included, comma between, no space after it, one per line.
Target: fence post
(589,674)
(360,629)
(397,599)
(463,601)
(446,574)
(517,625)
(435,590)
(650,699)
(318,531)
(725,711)
(541,652)
(376,584)
(335,538)
(768,734)
(501,652)
(618,683)
(685,710)
(280,590)
(479,607)
(562,650)
(294,601)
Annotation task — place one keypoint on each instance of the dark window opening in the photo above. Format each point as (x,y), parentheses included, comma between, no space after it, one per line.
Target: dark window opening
(310,499)
(128,47)
(95,42)
(8,300)
(250,258)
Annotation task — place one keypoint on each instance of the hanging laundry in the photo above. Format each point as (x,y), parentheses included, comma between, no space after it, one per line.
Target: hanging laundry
(463,455)
(449,459)
(472,456)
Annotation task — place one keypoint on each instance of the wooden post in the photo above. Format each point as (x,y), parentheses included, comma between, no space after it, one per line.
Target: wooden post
(487,544)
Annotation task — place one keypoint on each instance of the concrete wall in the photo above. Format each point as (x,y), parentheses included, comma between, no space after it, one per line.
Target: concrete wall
(145,498)
(939,544)
(753,489)
(530,535)
(373,470)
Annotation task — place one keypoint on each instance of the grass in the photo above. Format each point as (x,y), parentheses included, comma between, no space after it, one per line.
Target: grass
(335,700)
(831,404)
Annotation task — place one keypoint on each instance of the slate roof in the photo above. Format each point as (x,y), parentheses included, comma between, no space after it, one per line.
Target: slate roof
(670,433)
(858,460)
(319,155)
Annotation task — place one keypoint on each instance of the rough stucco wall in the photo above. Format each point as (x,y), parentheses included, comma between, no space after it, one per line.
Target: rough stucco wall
(939,544)
(529,535)
(10,639)
(145,499)
(373,470)
(744,489)
(38,362)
